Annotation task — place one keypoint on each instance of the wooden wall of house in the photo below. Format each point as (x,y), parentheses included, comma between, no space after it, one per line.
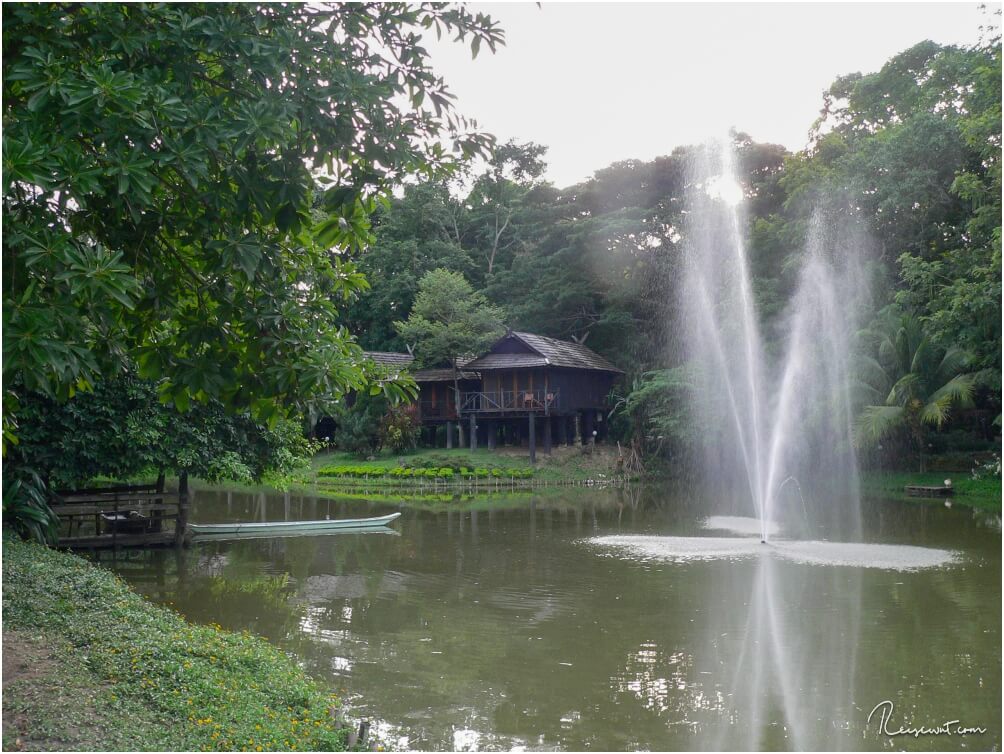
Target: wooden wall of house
(440,395)
(514,380)
(580,388)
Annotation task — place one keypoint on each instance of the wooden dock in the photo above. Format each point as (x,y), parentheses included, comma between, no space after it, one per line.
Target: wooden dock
(122,516)
(916,490)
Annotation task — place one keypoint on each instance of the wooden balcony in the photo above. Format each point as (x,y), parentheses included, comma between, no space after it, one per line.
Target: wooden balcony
(509,402)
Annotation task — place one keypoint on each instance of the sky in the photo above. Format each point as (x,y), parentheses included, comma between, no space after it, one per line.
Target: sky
(602,82)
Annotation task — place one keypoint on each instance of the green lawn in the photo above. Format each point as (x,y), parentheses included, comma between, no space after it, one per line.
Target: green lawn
(977,493)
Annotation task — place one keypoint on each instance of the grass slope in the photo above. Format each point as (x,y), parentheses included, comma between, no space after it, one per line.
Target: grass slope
(977,493)
(132,675)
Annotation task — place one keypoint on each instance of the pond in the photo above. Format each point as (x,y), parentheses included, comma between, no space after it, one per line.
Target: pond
(494,624)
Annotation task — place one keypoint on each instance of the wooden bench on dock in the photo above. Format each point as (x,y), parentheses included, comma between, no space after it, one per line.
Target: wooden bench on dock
(916,490)
(121,516)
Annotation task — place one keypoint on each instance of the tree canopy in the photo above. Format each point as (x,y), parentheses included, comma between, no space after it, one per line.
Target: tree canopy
(185,186)
(449,320)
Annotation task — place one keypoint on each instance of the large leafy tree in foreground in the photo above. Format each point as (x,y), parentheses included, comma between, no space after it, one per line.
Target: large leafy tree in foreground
(185,185)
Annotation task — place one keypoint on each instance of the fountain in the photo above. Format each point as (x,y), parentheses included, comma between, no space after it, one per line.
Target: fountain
(775,412)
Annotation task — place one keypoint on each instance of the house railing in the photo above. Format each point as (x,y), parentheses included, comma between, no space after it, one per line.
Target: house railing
(509,400)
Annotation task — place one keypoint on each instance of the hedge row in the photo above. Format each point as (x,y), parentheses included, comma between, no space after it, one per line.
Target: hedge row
(445,473)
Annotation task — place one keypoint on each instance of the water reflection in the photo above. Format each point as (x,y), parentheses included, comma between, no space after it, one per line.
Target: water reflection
(489,625)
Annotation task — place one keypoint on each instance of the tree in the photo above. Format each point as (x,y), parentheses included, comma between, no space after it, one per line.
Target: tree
(414,235)
(121,429)
(911,382)
(514,170)
(449,321)
(915,150)
(160,167)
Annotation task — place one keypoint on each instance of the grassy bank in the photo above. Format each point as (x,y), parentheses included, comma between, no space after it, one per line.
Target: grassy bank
(977,493)
(98,667)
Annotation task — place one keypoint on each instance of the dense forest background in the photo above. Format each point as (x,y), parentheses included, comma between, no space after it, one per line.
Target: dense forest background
(909,154)
(190,282)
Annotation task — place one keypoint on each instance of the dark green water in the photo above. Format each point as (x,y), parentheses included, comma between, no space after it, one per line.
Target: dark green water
(499,628)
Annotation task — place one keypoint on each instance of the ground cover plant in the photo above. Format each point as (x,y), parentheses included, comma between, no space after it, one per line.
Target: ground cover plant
(198,687)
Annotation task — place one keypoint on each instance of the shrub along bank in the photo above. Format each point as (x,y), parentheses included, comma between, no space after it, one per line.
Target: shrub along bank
(159,682)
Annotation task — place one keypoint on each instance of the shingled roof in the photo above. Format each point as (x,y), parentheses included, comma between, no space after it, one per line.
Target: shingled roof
(546,352)
(390,358)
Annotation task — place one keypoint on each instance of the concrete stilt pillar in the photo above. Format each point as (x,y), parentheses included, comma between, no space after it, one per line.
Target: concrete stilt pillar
(491,431)
(547,435)
(449,435)
(473,432)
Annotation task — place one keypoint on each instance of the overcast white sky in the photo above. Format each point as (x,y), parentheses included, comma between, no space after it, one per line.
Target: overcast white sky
(603,82)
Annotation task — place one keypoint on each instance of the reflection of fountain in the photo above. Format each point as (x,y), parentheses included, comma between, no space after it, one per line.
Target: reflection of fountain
(777,666)
(765,428)
(766,423)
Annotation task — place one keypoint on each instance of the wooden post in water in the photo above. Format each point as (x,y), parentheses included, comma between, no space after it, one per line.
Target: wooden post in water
(533,438)
(181,523)
(157,524)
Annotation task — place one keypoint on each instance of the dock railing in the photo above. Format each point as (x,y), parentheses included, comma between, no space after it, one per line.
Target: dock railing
(120,516)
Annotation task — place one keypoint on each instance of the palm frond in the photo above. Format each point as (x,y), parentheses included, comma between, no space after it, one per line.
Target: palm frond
(956,392)
(906,387)
(954,361)
(871,373)
(877,422)
(920,360)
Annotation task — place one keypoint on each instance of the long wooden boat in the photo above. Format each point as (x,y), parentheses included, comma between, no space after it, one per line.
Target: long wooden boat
(291,527)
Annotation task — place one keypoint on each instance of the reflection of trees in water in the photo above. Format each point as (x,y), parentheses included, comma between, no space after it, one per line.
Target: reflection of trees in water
(494,619)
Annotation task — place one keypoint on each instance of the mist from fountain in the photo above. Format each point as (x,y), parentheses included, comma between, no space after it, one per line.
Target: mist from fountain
(777,408)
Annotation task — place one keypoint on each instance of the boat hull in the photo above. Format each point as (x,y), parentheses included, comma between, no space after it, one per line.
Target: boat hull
(293,527)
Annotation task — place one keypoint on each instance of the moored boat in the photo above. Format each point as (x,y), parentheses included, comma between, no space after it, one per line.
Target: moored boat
(292,527)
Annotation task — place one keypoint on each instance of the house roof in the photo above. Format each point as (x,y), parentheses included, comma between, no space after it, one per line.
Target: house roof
(546,352)
(441,375)
(390,358)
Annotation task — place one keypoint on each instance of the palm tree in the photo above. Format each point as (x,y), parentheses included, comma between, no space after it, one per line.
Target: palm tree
(908,383)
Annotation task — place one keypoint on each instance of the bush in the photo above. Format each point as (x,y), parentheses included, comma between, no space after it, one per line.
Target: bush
(400,429)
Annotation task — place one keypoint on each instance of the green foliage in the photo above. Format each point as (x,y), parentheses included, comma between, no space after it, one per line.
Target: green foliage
(399,429)
(656,408)
(449,319)
(121,429)
(916,146)
(220,690)
(162,169)
(26,509)
(908,382)
(358,426)
(423,469)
